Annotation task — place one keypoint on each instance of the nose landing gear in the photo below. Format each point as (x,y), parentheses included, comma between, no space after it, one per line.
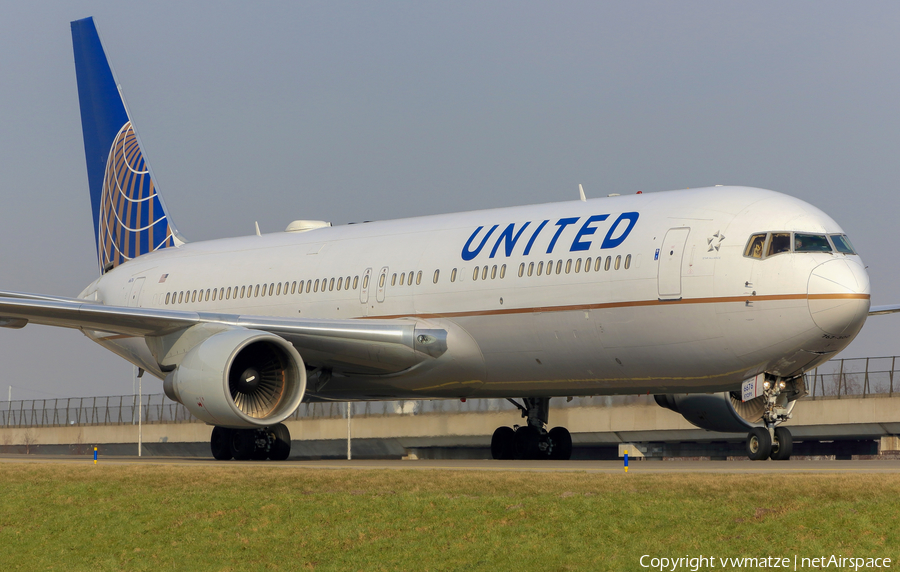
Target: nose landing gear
(771,442)
(532,441)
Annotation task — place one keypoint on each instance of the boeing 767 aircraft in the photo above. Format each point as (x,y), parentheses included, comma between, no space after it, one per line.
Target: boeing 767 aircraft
(716,300)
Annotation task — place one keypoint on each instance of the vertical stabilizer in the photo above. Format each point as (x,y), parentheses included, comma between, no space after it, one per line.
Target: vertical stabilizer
(130,217)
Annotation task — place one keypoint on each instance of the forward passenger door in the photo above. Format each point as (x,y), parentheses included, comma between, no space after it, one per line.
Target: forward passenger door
(670,263)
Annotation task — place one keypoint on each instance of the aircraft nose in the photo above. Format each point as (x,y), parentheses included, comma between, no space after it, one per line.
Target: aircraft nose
(838,296)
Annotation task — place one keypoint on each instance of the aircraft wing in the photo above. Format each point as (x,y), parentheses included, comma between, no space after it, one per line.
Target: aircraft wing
(879,310)
(359,346)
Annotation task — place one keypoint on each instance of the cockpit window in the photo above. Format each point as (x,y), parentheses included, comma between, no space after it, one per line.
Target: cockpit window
(780,242)
(764,245)
(755,246)
(811,243)
(842,244)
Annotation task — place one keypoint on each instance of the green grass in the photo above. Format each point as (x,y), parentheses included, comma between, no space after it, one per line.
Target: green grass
(155,517)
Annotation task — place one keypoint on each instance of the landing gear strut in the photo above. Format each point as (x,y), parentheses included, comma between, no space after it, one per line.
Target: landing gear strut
(532,441)
(771,441)
(257,444)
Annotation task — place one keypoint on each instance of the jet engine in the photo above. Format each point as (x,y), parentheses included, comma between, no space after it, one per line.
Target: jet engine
(239,378)
(723,411)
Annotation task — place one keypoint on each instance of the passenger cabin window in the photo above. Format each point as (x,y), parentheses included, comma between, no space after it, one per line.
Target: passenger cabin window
(453,275)
(811,243)
(755,246)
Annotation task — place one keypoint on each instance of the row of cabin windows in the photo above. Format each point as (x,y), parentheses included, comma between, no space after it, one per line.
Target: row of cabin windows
(577,266)
(408,279)
(258,291)
(483,272)
(404,278)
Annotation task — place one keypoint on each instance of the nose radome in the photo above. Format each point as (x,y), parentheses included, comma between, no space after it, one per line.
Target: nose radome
(838,296)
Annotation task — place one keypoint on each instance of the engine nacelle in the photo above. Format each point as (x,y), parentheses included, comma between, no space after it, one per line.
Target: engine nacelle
(240,379)
(716,411)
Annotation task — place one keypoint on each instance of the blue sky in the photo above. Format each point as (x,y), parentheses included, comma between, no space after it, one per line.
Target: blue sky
(346,111)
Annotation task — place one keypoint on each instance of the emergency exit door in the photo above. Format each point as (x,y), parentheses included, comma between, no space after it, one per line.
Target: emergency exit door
(670,262)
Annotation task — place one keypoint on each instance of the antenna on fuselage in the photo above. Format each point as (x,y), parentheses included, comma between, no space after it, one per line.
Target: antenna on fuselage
(581,192)
(256,222)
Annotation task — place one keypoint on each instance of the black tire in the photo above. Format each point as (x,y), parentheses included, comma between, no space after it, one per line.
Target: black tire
(243,444)
(503,444)
(562,444)
(220,443)
(759,444)
(527,443)
(281,446)
(783,446)
(260,453)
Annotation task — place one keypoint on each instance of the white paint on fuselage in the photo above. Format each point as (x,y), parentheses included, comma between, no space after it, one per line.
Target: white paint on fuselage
(584,333)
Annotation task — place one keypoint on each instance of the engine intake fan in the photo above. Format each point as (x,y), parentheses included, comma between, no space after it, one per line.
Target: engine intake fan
(239,378)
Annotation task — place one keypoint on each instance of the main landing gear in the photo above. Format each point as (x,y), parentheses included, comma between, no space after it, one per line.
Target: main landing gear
(246,444)
(771,442)
(532,441)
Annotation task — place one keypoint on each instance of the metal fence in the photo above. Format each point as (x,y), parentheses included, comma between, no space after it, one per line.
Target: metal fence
(117,410)
(857,377)
(842,378)
(157,408)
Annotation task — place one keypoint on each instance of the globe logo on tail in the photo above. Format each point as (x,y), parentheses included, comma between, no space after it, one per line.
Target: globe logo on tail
(132,219)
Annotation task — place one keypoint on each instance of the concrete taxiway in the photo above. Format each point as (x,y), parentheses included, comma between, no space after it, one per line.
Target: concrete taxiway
(610,467)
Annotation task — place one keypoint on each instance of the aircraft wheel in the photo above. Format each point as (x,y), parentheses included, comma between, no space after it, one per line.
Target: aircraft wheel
(503,443)
(759,444)
(527,443)
(783,445)
(259,453)
(281,446)
(220,443)
(243,444)
(562,444)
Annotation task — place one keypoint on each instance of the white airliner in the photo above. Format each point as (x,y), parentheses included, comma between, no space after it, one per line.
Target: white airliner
(716,300)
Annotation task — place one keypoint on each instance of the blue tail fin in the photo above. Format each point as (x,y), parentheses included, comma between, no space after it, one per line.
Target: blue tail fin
(130,217)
